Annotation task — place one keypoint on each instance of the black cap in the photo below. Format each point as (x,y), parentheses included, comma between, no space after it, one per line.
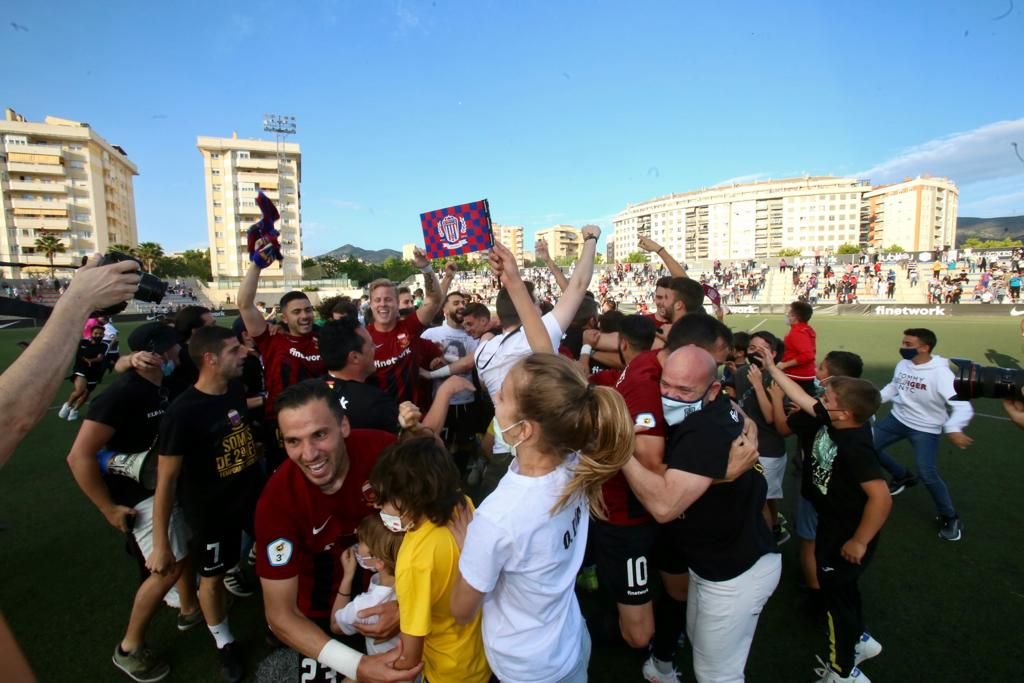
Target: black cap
(154,337)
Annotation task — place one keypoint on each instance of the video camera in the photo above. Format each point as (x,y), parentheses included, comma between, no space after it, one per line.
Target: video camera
(151,288)
(977,381)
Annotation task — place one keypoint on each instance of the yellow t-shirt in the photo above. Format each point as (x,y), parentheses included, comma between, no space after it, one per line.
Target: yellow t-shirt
(425,572)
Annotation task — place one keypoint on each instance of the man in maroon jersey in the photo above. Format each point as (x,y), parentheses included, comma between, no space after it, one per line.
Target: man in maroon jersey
(289,356)
(306,517)
(395,340)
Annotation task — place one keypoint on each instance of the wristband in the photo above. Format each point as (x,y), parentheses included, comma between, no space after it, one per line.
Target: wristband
(427,269)
(659,250)
(590,237)
(441,372)
(586,350)
(341,658)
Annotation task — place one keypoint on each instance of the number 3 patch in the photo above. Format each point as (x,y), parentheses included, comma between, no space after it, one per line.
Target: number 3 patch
(279,552)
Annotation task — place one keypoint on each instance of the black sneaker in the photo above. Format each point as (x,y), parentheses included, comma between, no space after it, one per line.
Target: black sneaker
(952,529)
(781,534)
(237,583)
(899,484)
(231,668)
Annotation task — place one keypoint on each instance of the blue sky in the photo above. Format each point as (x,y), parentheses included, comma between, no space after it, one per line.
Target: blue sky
(557,112)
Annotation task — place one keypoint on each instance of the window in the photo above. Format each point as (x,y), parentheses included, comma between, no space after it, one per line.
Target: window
(81,216)
(218,219)
(220,252)
(243,155)
(217,204)
(78,164)
(214,155)
(218,235)
(215,172)
(216,187)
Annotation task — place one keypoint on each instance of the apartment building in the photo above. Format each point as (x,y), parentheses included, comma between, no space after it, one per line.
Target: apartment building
(917,214)
(234,171)
(564,241)
(512,237)
(60,178)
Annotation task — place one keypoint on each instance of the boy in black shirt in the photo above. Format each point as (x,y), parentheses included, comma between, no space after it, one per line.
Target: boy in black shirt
(850,493)
(206,444)
(87,373)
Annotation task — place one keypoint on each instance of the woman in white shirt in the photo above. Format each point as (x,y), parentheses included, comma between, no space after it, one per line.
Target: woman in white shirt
(525,543)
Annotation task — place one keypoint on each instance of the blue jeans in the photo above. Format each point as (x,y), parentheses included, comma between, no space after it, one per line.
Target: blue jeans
(926,452)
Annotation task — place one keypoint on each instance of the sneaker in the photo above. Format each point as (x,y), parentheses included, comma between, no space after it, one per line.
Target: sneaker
(187,621)
(781,534)
(587,579)
(899,484)
(252,555)
(141,665)
(827,675)
(72,415)
(237,583)
(231,668)
(952,529)
(172,599)
(652,675)
(866,648)
(63,412)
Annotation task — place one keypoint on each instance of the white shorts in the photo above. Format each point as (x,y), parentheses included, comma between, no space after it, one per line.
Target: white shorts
(177,530)
(774,471)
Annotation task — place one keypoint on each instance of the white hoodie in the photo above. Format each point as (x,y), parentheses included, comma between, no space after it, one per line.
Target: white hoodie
(920,394)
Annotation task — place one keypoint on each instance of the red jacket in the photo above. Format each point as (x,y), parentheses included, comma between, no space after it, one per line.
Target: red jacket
(801,346)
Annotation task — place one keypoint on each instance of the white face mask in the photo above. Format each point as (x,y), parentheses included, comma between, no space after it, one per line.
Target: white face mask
(675,411)
(393,522)
(501,432)
(364,561)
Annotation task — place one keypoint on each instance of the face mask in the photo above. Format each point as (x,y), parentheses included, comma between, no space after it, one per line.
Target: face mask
(167,367)
(393,522)
(364,561)
(909,354)
(501,432)
(675,411)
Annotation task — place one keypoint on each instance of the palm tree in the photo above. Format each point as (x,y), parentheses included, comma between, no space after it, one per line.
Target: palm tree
(122,248)
(50,246)
(149,252)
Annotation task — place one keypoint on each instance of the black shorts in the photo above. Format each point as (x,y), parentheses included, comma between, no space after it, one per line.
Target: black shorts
(624,559)
(669,555)
(216,549)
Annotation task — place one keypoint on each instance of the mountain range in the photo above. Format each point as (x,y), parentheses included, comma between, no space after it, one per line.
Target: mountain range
(367,255)
(1007,227)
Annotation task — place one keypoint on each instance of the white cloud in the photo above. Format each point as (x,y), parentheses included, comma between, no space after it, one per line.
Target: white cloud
(973,156)
(407,19)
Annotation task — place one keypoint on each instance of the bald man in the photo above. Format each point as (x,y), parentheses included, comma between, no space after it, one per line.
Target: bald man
(722,539)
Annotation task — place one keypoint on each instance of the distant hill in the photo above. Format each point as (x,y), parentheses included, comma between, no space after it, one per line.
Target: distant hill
(368,255)
(1007,227)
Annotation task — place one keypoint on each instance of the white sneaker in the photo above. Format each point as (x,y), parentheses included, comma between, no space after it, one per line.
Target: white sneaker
(867,648)
(172,599)
(652,675)
(63,412)
(72,415)
(828,675)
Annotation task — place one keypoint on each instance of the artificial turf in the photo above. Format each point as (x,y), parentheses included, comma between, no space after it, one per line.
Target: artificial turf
(943,611)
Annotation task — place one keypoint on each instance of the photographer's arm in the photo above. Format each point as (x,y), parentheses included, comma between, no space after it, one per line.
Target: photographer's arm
(30,383)
(254,321)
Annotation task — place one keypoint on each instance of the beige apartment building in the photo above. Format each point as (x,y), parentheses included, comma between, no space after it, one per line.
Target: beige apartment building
(564,241)
(512,237)
(234,171)
(61,178)
(918,214)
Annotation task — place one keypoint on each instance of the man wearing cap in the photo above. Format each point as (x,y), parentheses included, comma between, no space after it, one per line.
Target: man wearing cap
(124,420)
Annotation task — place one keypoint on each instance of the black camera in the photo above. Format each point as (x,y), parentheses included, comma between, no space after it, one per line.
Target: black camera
(977,381)
(151,288)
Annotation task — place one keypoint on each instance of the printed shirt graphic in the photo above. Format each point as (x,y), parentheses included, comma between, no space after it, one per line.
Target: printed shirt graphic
(823,454)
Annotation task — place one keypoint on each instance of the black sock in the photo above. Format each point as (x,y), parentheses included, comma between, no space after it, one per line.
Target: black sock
(121,651)
(669,622)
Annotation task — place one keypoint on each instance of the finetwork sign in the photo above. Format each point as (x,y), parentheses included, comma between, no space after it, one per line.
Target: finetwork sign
(910,310)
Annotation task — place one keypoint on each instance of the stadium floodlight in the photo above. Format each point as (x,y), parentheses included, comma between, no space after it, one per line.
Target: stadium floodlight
(282,125)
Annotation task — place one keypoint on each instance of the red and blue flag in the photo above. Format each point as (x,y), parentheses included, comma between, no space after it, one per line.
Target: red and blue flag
(461,229)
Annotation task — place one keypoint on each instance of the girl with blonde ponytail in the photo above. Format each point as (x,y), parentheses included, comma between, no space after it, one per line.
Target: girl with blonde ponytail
(525,543)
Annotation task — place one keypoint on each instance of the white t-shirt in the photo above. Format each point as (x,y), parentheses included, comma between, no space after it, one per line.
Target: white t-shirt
(526,560)
(110,335)
(455,343)
(375,595)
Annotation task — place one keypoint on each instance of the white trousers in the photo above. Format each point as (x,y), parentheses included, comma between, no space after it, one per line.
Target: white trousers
(721,617)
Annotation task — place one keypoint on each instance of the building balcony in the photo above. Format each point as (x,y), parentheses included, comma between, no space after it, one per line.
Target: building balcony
(263,179)
(266,164)
(22,222)
(29,186)
(45,150)
(247,210)
(39,205)
(16,167)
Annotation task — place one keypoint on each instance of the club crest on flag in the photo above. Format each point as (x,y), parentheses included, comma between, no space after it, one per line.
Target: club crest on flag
(452,231)
(457,230)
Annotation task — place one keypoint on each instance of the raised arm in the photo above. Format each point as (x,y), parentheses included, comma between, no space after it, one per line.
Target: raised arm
(572,297)
(542,253)
(503,263)
(28,385)
(254,321)
(432,297)
(674,268)
(793,390)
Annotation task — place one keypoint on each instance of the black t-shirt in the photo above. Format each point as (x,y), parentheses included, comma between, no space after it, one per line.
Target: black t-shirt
(723,532)
(185,373)
(87,348)
(220,480)
(133,406)
(366,406)
(841,460)
(770,443)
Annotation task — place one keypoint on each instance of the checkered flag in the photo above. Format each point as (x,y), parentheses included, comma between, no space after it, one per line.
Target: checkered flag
(461,229)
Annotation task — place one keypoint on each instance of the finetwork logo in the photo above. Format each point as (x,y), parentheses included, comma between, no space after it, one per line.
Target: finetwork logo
(911,310)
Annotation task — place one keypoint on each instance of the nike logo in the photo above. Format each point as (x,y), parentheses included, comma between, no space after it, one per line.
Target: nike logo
(827,569)
(1014,312)
(320,528)
(377,346)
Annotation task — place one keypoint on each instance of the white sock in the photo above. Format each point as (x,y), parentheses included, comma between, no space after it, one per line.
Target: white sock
(221,634)
(662,667)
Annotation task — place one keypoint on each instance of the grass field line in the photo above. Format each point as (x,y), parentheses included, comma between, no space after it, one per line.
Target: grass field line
(758,325)
(994,417)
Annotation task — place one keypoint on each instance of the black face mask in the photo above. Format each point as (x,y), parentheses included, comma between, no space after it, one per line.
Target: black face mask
(755,360)
(405,312)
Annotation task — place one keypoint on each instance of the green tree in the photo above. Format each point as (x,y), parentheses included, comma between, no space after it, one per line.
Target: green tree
(893,249)
(848,249)
(975,243)
(636,257)
(122,248)
(788,251)
(148,253)
(50,246)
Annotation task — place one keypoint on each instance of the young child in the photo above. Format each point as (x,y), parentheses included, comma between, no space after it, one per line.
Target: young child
(418,491)
(801,346)
(852,499)
(377,551)
(737,360)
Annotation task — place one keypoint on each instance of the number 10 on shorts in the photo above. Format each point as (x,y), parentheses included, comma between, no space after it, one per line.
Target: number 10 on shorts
(636,572)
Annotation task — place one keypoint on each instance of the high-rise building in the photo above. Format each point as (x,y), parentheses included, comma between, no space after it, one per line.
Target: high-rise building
(60,178)
(564,241)
(235,170)
(512,237)
(918,214)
